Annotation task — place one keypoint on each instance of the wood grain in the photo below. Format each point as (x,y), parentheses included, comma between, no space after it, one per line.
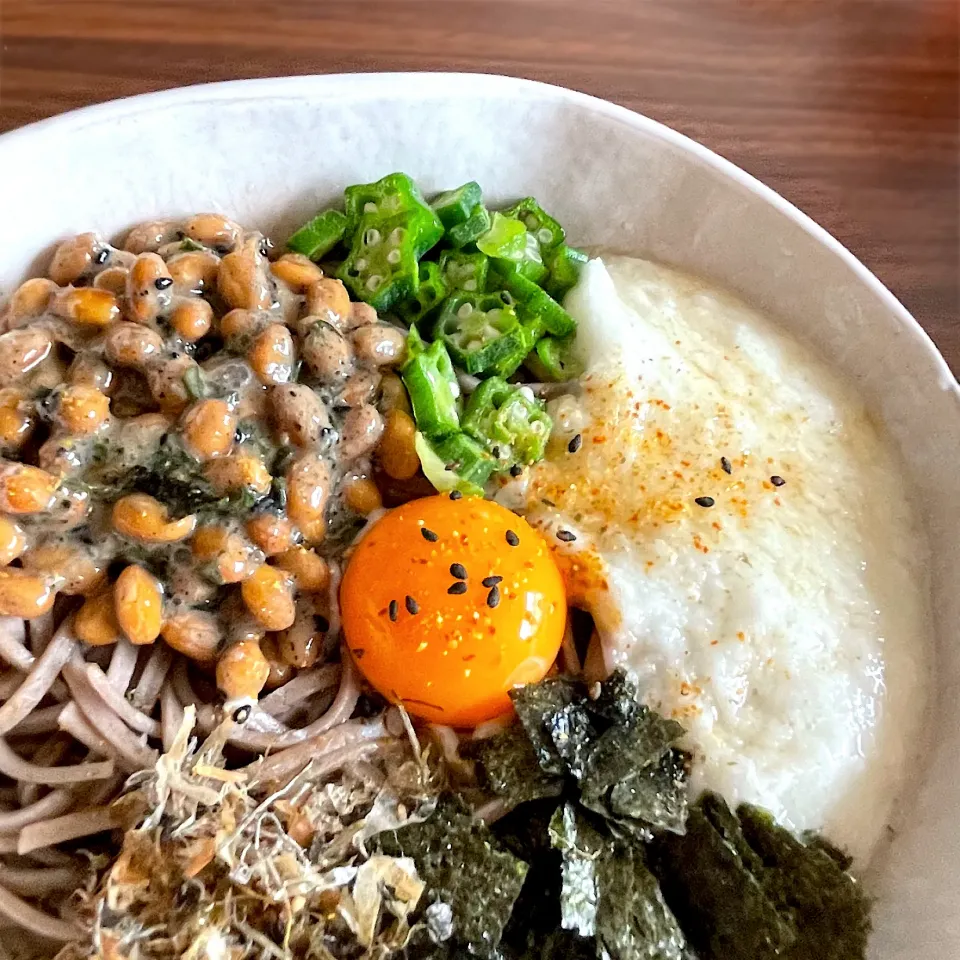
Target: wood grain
(849,108)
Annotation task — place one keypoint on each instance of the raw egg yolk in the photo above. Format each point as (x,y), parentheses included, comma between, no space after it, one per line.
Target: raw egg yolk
(448,604)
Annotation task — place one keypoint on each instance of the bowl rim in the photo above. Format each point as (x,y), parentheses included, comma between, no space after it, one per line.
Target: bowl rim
(401,85)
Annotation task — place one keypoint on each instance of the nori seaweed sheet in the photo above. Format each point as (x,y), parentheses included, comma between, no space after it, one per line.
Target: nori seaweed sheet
(721,905)
(620,868)
(462,864)
(827,905)
(535,703)
(633,920)
(510,767)
(580,846)
(745,888)
(656,795)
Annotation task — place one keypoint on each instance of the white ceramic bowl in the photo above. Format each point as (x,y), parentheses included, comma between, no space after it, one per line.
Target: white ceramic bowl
(271,152)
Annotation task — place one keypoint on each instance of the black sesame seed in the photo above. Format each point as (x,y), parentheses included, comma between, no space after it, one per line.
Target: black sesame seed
(574,445)
(491,581)
(457,587)
(547,502)
(777,481)
(725,465)
(102,256)
(394,610)
(566,536)
(496,452)
(428,535)
(458,570)
(455,494)
(704,501)
(516,470)
(493,597)
(161,283)
(412,606)
(241,714)
(512,538)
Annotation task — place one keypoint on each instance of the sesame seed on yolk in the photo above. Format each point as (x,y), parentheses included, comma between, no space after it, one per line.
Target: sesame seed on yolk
(456,658)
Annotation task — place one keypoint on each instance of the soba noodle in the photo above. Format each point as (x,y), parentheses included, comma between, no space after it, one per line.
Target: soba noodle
(74,720)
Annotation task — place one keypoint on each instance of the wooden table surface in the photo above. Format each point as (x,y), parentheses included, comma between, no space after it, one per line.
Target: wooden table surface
(849,108)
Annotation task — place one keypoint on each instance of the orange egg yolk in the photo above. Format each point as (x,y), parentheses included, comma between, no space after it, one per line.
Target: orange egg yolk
(448,604)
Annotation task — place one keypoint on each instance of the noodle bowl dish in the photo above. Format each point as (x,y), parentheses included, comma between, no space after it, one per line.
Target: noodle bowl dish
(417,577)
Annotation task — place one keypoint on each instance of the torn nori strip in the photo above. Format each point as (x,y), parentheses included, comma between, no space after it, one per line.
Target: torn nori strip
(460,861)
(827,905)
(619,698)
(633,920)
(580,847)
(536,914)
(626,748)
(816,841)
(657,794)
(573,735)
(721,905)
(535,703)
(511,767)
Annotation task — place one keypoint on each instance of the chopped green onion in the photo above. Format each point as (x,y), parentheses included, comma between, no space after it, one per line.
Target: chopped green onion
(318,237)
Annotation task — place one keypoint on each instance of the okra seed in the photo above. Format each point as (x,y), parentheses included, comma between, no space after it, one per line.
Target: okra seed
(369,207)
(464,310)
(361,264)
(544,235)
(396,235)
(374,281)
(393,256)
(371,237)
(470,285)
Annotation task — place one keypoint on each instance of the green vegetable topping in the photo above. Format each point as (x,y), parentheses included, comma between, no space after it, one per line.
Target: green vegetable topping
(430,293)
(506,239)
(320,235)
(483,333)
(548,233)
(563,270)
(455,463)
(382,267)
(552,360)
(369,203)
(465,271)
(477,224)
(455,206)
(432,384)
(536,308)
(507,418)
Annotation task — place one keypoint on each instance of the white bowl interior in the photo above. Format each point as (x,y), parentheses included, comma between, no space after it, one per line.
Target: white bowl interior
(270,153)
